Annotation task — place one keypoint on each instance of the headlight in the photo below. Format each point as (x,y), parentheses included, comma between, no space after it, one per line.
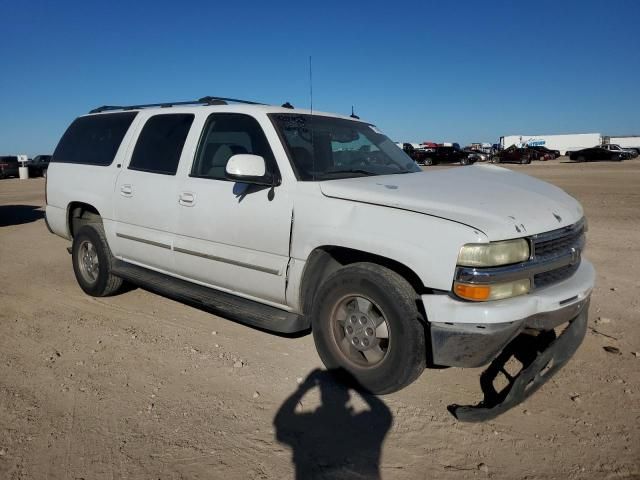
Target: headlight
(494,254)
(495,291)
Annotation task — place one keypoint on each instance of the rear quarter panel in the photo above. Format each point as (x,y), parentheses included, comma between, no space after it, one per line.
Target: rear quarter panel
(90,184)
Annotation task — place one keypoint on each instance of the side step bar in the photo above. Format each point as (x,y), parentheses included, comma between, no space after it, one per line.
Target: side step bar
(239,309)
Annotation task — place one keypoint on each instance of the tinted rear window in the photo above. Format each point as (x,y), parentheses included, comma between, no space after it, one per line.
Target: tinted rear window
(93,140)
(9,160)
(160,143)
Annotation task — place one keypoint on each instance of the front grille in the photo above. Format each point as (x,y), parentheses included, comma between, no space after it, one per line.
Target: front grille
(554,276)
(548,245)
(554,244)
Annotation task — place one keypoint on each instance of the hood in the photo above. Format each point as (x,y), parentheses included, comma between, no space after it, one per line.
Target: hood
(499,202)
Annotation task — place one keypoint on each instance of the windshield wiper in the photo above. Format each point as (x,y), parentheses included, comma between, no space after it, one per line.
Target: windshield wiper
(350,170)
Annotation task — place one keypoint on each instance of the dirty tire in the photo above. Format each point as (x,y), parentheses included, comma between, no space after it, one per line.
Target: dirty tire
(105,283)
(405,356)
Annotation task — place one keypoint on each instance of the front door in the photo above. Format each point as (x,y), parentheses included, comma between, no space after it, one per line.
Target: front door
(233,236)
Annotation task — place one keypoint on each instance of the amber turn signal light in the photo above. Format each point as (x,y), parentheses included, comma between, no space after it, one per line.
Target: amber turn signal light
(477,293)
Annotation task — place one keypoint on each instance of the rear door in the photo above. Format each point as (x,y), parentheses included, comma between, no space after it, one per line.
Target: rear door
(234,236)
(146,192)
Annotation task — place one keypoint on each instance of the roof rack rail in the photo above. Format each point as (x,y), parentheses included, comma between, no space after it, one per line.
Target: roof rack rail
(202,101)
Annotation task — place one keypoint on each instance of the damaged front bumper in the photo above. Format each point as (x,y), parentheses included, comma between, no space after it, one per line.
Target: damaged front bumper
(541,356)
(485,333)
(473,345)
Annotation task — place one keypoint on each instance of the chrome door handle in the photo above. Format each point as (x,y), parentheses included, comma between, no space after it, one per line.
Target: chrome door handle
(126,190)
(187,199)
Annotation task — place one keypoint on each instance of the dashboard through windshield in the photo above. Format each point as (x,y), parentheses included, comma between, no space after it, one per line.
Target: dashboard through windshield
(326,148)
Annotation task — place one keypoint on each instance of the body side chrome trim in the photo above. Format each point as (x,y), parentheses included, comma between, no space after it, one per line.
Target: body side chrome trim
(143,240)
(271,271)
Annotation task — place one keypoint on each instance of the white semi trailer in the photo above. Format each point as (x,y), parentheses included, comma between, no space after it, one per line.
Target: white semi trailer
(564,143)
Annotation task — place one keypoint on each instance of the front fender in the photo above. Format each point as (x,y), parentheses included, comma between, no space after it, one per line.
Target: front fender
(427,245)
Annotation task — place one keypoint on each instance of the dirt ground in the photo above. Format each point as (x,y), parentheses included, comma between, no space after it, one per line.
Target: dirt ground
(139,386)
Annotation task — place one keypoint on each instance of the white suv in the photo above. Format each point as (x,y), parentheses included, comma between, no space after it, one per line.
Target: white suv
(286,220)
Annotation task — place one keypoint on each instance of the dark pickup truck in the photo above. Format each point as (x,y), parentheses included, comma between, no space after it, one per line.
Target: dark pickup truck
(38,166)
(448,155)
(9,166)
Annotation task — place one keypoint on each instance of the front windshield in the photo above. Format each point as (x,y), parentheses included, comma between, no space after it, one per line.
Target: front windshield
(326,148)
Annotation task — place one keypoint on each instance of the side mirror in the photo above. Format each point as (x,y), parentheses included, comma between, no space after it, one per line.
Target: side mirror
(247,168)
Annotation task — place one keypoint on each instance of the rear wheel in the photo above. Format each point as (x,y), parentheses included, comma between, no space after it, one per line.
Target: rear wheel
(581,158)
(465,161)
(92,262)
(365,320)
(428,161)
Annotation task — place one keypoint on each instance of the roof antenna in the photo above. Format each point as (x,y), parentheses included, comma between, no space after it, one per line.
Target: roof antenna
(313,148)
(353,115)
(310,85)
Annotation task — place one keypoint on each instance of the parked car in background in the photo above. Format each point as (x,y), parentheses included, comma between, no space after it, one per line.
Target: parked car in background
(38,165)
(544,153)
(416,153)
(598,153)
(612,147)
(512,154)
(477,155)
(451,154)
(9,166)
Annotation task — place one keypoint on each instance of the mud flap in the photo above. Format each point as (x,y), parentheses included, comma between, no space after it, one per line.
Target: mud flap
(541,357)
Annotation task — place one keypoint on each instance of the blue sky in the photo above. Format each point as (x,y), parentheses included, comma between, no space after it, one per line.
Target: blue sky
(444,71)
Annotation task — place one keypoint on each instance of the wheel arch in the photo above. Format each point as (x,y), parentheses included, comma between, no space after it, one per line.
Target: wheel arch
(326,259)
(79,214)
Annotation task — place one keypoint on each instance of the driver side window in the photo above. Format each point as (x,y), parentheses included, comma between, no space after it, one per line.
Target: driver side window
(225,135)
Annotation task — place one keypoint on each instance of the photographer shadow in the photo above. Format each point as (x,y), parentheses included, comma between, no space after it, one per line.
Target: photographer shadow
(334,441)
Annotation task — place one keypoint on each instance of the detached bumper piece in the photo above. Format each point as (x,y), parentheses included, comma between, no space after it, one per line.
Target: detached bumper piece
(541,357)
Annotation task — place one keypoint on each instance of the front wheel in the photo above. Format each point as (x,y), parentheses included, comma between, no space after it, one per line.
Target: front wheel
(428,161)
(365,320)
(92,260)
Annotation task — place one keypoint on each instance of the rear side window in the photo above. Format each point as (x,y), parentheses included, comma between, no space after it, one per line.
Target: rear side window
(93,140)
(160,143)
